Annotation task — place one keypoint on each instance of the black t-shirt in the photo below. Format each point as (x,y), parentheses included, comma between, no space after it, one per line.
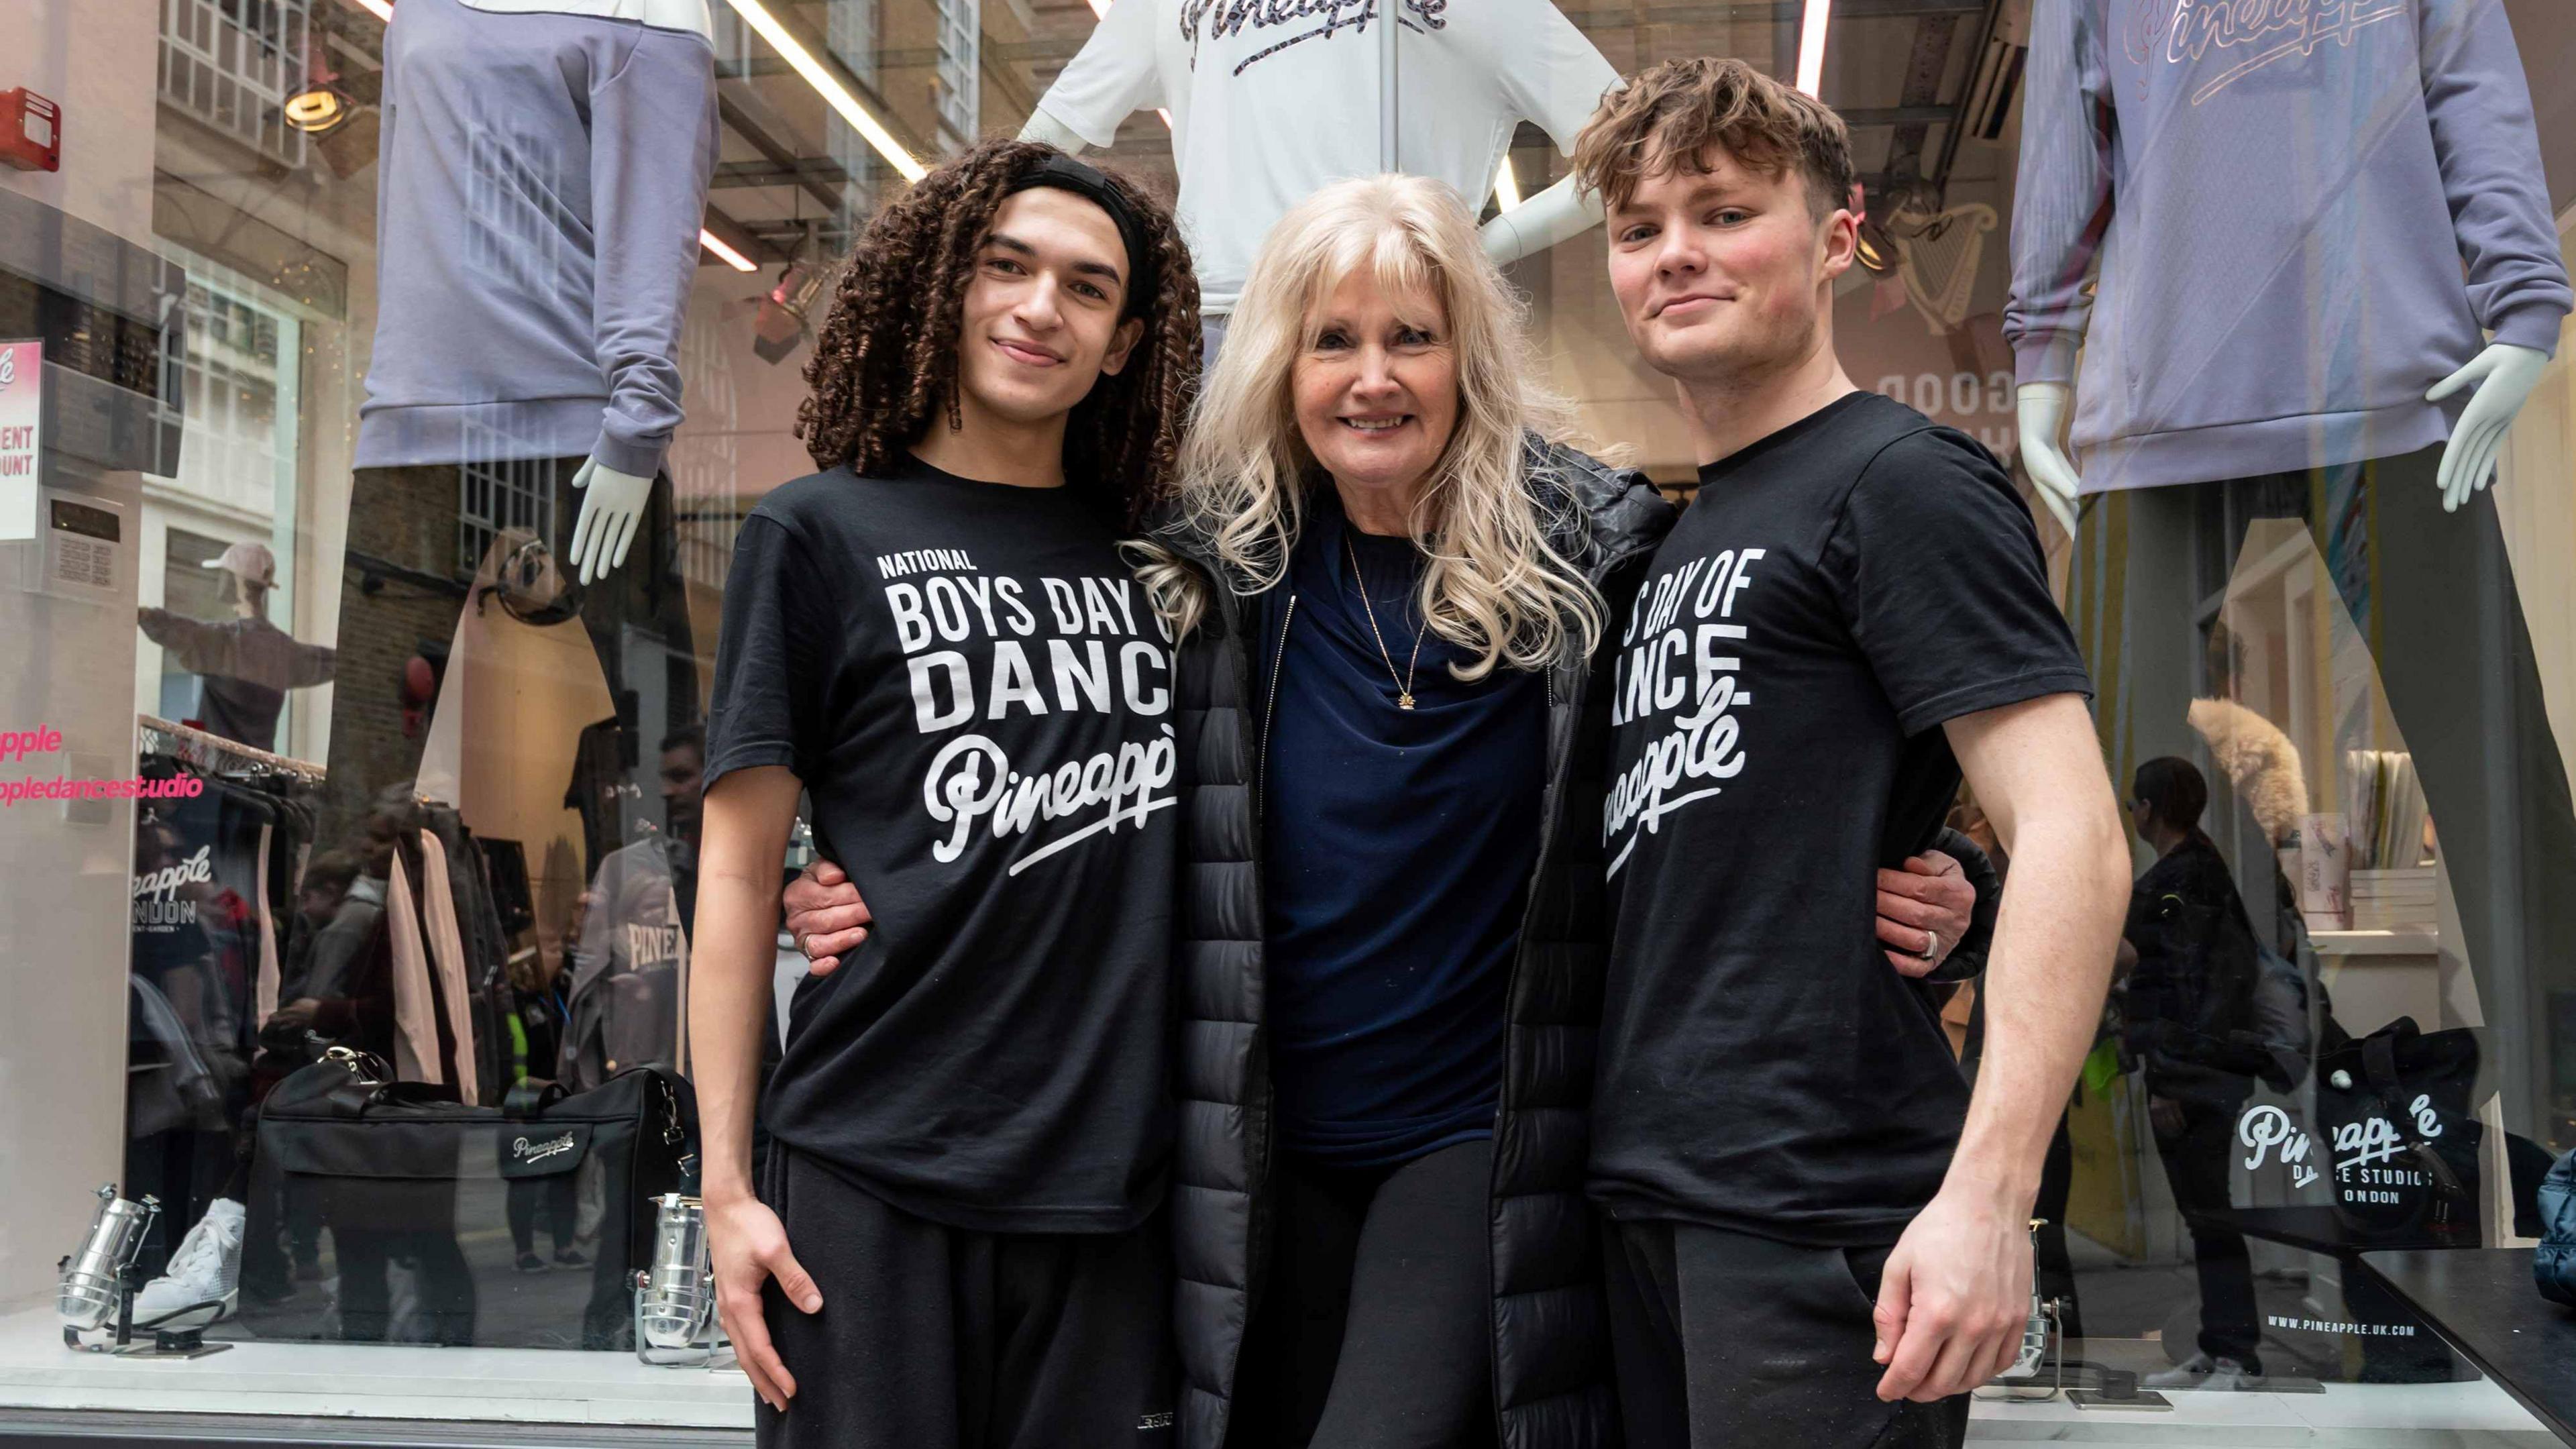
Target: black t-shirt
(1836,592)
(977,698)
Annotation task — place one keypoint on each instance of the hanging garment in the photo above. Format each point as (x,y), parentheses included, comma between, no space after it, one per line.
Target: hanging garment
(264,999)
(447,952)
(629,997)
(416,1054)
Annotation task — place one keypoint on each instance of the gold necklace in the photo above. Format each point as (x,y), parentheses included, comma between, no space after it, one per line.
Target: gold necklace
(1404,686)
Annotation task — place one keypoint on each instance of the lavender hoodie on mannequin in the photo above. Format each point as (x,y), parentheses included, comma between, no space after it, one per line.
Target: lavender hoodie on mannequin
(2305,212)
(542,179)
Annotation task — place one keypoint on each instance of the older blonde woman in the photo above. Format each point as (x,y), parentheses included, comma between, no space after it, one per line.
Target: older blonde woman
(1387,578)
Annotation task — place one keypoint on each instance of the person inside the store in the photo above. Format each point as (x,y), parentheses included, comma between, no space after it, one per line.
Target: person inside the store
(935,638)
(1814,1220)
(1380,534)
(2189,967)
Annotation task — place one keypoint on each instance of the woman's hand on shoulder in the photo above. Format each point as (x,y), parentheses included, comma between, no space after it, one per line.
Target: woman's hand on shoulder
(825,916)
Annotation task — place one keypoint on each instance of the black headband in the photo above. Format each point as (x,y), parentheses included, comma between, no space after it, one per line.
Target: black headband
(1066,174)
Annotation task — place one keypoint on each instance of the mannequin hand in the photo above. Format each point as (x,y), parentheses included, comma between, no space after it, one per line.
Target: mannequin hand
(612,504)
(2504,375)
(2041,410)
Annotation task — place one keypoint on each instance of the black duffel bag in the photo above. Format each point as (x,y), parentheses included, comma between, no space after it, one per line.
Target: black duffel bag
(519,1226)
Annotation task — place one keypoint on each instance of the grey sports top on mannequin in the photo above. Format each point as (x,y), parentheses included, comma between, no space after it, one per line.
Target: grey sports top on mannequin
(543,177)
(689,15)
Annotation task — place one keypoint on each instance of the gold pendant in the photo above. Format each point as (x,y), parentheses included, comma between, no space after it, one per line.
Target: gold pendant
(1404,701)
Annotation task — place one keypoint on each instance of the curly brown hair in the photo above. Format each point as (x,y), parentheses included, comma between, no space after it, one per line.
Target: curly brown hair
(886,357)
(1669,115)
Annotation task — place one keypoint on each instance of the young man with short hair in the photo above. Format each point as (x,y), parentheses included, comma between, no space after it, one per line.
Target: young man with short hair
(1814,1228)
(936,641)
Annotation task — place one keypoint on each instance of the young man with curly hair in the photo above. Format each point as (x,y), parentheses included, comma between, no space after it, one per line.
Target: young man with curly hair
(936,641)
(1815,1228)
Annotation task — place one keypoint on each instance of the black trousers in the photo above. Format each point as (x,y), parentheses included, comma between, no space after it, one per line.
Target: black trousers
(1723,1340)
(1374,1328)
(933,1337)
(2196,1164)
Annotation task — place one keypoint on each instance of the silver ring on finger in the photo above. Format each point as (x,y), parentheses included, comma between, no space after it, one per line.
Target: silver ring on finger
(1931,945)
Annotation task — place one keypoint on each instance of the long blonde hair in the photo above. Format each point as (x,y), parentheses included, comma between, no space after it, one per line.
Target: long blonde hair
(1495,587)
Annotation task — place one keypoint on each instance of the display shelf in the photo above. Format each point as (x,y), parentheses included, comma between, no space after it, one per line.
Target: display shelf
(367,1381)
(2345,1416)
(2376,943)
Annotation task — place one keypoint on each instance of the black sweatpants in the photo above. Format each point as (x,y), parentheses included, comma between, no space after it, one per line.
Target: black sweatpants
(932,1337)
(1375,1323)
(1723,1340)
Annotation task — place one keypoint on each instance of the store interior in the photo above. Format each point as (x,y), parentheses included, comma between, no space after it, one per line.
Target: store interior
(399,701)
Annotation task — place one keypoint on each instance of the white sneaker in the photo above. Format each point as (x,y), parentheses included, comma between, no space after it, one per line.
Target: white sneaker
(202,1285)
(2200,1371)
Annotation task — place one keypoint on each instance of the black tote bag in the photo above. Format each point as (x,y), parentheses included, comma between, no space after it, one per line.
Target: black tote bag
(519,1226)
(2394,1110)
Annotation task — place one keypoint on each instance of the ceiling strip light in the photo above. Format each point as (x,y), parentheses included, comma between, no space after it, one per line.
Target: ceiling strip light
(1507,187)
(723,253)
(1811,47)
(381,9)
(829,87)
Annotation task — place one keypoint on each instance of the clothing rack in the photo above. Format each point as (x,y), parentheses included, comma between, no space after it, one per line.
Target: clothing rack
(215,753)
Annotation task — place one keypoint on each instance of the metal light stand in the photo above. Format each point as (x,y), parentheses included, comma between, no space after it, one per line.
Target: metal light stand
(2040,1373)
(106,1270)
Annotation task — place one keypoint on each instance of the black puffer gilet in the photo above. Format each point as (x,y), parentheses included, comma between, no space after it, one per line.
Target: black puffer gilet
(1552,1383)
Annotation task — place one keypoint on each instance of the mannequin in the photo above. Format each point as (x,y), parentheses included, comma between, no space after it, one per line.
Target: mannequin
(2328,279)
(2138,106)
(475,336)
(543,180)
(247,663)
(1462,79)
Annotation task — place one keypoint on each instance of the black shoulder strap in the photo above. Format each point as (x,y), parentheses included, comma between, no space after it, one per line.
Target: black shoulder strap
(531,1096)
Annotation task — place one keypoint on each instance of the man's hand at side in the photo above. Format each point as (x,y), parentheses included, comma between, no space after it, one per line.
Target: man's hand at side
(1954,1296)
(825,916)
(746,1247)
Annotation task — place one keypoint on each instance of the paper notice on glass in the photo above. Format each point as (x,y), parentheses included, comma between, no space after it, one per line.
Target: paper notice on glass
(22,370)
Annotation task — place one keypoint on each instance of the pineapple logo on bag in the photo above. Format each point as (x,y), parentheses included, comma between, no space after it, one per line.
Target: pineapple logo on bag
(525,1151)
(2363,1149)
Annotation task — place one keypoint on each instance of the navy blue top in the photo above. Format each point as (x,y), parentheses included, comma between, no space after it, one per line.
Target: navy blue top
(1399,846)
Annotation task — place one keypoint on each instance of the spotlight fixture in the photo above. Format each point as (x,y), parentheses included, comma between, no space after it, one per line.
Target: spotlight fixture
(318,111)
(782,323)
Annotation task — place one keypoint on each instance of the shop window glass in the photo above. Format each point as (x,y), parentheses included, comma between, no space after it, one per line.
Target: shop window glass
(390,662)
